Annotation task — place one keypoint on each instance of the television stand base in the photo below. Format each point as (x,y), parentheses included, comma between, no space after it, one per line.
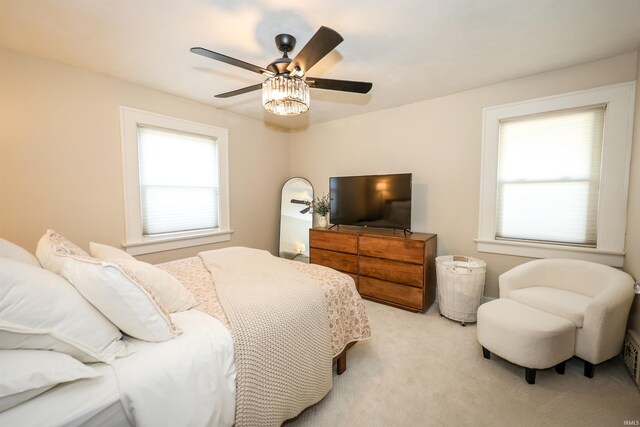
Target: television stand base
(334,225)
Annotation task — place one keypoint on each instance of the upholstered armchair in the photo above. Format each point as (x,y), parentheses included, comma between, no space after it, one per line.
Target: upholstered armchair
(595,297)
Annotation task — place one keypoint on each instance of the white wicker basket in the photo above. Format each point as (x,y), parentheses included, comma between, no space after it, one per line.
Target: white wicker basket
(460,286)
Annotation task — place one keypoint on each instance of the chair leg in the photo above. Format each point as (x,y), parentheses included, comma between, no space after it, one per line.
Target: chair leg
(486,353)
(589,369)
(560,367)
(530,375)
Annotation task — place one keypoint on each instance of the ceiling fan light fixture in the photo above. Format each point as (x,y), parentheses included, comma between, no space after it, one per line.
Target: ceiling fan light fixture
(285,95)
(286,92)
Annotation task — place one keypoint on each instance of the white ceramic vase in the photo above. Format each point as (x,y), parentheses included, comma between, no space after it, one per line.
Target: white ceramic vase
(323,222)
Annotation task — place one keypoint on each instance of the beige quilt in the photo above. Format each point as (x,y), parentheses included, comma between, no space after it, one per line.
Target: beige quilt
(287,318)
(348,319)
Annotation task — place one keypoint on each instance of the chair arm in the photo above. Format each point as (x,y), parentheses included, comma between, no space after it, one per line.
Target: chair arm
(521,276)
(605,321)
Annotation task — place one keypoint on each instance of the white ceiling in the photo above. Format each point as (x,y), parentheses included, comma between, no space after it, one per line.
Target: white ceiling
(411,50)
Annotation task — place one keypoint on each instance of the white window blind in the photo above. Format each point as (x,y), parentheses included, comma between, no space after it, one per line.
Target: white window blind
(549,176)
(178,181)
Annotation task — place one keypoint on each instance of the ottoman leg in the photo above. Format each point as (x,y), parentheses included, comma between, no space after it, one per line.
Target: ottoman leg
(560,367)
(530,375)
(486,353)
(589,369)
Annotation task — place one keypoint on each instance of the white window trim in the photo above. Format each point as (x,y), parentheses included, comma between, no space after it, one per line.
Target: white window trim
(614,181)
(136,243)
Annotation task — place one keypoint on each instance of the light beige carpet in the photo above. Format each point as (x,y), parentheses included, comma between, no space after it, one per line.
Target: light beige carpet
(425,370)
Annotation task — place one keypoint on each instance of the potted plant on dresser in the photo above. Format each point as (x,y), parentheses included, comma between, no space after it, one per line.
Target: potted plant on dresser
(322,206)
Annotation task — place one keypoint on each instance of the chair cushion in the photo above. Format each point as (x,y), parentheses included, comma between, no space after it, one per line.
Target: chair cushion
(566,304)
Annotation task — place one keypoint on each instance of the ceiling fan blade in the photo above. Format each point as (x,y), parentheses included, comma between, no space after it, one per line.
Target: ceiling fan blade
(322,42)
(301,202)
(240,91)
(305,210)
(341,85)
(231,61)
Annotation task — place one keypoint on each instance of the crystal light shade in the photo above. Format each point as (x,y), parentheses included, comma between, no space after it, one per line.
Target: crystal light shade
(285,95)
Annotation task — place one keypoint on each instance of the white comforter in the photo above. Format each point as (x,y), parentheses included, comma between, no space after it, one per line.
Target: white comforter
(188,381)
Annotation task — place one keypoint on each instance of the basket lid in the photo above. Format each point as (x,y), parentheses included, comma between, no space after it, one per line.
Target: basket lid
(457,261)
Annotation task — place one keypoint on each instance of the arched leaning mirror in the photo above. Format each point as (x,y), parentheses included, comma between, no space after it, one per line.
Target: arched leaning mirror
(295,219)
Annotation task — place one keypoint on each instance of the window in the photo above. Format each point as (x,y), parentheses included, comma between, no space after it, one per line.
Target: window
(178,181)
(549,177)
(555,176)
(175,175)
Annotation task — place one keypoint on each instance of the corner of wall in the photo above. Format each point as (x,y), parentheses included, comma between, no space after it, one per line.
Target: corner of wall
(632,242)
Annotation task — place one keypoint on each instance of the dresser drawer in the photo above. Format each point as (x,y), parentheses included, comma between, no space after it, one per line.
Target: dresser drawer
(405,250)
(407,296)
(347,263)
(392,271)
(333,241)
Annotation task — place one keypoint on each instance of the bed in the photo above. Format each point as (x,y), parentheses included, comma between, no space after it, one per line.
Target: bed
(189,380)
(200,377)
(286,367)
(348,319)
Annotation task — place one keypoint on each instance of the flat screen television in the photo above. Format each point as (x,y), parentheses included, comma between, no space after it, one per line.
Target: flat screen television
(382,201)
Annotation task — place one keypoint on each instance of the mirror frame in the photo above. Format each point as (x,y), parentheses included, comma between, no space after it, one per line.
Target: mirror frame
(280,223)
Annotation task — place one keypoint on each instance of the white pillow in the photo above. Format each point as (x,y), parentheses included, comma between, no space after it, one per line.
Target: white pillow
(40,310)
(51,250)
(116,292)
(17,253)
(105,252)
(28,373)
(172,295)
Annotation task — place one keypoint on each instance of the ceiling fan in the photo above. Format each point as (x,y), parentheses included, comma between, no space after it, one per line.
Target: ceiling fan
(303,202)
(286,89)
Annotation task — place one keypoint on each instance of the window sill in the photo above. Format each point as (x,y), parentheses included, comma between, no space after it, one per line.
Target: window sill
(541,250)
(176,241)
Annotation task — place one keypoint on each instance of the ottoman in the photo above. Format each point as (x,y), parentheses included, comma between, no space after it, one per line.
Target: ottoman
(525,336)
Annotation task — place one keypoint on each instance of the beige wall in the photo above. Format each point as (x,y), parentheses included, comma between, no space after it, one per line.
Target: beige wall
(439,141)
(632,243)
(60,159)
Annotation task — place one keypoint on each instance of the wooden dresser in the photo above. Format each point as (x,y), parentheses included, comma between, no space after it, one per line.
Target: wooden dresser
(386,266)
